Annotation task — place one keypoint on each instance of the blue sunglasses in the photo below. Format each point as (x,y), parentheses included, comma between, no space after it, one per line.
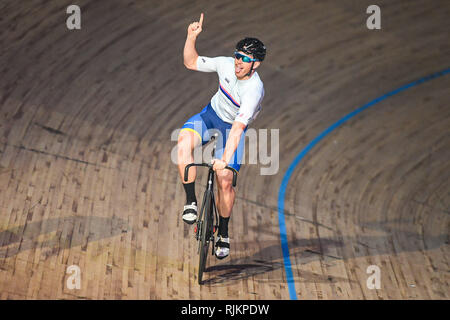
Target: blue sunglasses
(238,56)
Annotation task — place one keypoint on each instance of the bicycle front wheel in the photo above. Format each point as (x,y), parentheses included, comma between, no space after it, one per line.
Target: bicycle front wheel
(206,231)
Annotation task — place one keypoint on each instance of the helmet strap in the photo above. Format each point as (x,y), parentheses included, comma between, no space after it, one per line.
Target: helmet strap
(251,69)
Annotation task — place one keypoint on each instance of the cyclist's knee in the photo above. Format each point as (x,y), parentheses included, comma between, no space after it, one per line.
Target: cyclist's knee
(225,180)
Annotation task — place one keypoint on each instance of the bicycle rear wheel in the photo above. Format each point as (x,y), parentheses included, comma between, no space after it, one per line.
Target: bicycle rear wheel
(206,231)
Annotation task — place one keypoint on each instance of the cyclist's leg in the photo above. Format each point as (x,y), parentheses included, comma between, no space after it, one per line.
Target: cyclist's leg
(225,198)
(226,194)
(225,201)
(190,137)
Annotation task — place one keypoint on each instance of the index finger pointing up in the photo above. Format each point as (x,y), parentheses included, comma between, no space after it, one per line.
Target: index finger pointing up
(201,20)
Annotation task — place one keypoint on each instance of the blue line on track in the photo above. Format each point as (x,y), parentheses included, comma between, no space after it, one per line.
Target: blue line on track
(282,191)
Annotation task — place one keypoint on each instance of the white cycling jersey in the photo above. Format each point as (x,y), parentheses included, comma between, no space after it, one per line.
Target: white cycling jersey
(235,99)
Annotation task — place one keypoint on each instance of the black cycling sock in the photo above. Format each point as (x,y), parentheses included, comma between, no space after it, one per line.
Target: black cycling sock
(190,192)
(223,226)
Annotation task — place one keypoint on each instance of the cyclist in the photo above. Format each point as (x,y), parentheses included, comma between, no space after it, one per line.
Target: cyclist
(235,105)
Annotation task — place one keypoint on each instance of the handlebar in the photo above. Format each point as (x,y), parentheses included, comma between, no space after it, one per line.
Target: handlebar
(210,166)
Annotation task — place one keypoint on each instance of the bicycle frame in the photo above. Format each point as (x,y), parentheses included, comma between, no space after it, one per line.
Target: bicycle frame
(208,213)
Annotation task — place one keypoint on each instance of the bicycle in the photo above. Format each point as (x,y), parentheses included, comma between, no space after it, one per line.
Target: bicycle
(207,224)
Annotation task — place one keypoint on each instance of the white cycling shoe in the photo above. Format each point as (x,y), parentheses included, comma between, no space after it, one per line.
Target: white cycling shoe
(222,247)
(190,213)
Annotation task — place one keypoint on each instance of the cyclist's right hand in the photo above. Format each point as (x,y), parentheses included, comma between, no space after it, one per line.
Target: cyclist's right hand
(195,28)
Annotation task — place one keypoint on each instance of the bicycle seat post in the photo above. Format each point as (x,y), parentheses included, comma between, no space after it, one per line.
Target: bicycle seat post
(213,138)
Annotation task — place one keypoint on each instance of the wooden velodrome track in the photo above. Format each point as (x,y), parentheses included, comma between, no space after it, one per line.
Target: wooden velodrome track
(86,177)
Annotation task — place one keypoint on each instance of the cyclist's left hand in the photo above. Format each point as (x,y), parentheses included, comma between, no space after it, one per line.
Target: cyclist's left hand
(218,164)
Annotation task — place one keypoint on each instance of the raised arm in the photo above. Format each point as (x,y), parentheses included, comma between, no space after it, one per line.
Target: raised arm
(190,54)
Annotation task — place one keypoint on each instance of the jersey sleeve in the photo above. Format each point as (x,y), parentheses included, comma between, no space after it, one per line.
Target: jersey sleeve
(250,106)
(206,64)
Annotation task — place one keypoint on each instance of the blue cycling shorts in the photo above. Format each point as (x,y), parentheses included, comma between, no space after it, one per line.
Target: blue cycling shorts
(205,124)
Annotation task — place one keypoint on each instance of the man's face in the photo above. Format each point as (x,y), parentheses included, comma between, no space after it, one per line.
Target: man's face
(241,68)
